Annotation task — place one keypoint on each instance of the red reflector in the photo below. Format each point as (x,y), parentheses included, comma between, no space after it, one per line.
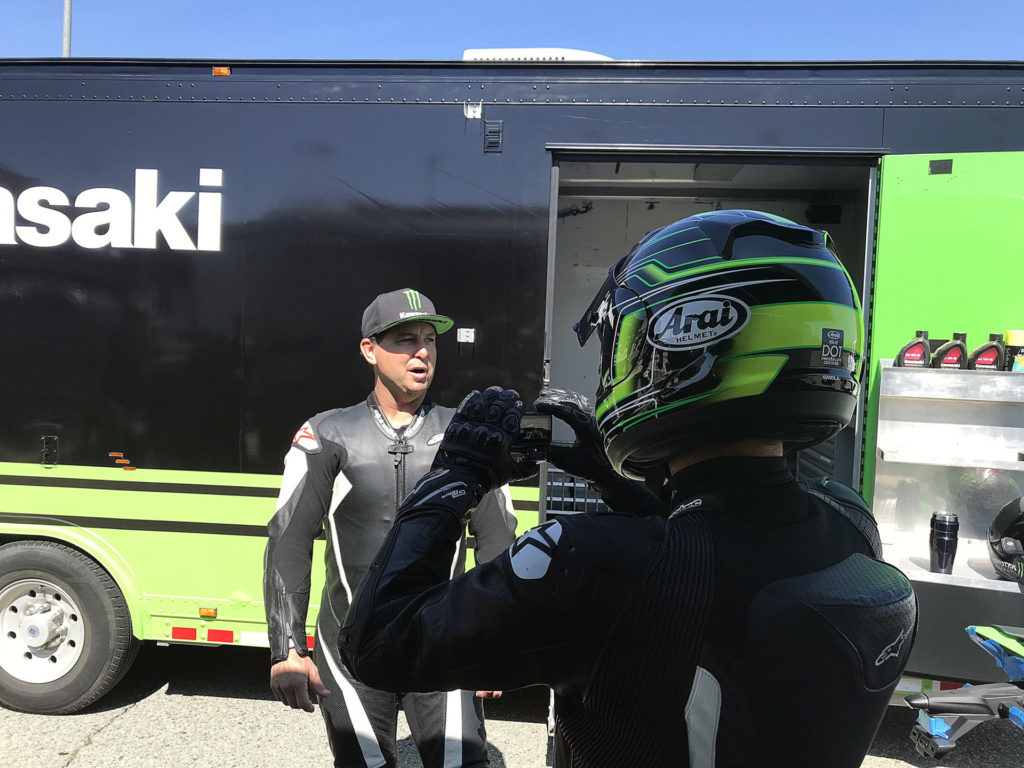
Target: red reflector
(182,633)
(220,636)
(944,686)
(310,641)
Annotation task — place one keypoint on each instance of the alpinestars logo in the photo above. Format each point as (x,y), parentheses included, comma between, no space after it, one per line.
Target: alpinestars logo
(892,650)
(104,217)
(532,552)
(306,439)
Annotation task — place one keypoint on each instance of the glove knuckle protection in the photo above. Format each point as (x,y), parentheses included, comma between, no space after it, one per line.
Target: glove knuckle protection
(479,435)
(467,399)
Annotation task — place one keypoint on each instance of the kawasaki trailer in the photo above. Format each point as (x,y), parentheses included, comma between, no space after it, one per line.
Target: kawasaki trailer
(186,248)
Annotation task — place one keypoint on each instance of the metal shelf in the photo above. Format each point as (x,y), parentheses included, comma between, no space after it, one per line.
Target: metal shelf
(908,551)
(952,384)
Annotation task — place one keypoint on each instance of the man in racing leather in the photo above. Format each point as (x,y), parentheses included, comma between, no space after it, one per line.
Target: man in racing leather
(350,468)
(752,622)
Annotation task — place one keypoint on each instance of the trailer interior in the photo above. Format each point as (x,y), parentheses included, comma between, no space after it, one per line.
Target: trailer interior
(605,204)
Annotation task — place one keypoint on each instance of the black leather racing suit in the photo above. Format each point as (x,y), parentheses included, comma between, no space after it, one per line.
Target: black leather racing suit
(347,472)
(755,626)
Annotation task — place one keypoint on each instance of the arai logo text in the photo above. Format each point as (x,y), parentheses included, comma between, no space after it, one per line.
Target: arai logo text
(697,321)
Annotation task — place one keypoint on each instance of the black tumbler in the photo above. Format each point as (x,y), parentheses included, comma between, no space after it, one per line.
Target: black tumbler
(942,541)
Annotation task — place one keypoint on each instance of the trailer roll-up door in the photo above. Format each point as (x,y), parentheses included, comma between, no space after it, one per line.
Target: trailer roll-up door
(604,201)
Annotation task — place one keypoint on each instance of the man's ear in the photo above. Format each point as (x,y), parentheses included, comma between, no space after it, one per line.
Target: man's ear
(366,350)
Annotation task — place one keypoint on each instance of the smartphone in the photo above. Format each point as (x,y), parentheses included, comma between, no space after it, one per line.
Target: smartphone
(533,438)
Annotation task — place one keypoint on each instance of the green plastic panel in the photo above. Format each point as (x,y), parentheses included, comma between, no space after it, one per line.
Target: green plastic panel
(949,258)
(175,542)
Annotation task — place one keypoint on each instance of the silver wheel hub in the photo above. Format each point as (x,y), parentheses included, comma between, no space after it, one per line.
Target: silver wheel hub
(42,633)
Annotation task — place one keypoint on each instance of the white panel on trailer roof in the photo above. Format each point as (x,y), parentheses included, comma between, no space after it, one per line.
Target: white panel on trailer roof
(531,54)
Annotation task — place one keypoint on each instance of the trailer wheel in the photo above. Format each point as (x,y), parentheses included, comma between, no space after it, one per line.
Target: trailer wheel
(65,631)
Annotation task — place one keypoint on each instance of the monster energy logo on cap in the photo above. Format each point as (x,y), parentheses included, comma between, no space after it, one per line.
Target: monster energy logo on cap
(414,299)
(401,306)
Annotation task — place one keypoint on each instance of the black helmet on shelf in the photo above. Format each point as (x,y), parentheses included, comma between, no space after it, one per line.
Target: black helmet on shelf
(1006,541)
(724,326)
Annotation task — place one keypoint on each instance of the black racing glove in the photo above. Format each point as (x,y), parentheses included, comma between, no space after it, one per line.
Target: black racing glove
(586,457)
(475,455)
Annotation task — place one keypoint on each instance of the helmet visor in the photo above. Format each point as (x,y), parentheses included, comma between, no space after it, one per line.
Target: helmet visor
(619,317)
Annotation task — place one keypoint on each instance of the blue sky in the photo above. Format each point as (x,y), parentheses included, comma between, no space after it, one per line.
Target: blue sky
(627,29)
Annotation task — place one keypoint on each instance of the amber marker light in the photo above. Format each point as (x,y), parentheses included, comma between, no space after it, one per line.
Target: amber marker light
(221,71)
(208,613)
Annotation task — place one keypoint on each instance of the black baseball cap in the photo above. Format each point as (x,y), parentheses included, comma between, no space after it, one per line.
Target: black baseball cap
(402,306)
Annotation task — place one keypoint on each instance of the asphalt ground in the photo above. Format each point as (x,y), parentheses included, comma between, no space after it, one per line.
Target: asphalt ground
(182,707)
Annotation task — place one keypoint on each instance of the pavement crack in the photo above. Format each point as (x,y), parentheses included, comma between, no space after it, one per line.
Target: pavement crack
(73,755)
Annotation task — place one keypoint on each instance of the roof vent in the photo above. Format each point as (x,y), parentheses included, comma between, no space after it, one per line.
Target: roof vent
(531,54)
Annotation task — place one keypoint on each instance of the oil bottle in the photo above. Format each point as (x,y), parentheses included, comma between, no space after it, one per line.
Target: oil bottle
(916,354)
(952,354)
(988,356)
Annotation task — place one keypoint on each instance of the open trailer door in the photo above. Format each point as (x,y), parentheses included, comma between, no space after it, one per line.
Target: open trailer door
(603,201)
(949,259)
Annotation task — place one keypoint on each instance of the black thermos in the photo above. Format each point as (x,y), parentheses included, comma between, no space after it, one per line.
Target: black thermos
(942,541)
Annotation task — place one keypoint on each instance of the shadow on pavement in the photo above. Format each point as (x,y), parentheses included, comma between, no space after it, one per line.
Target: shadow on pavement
(526,705)
(239,672)
(223,671)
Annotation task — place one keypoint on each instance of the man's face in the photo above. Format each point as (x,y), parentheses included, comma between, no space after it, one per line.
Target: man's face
(404,356)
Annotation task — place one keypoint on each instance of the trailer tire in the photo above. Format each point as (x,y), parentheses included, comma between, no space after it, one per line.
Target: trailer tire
(65,629)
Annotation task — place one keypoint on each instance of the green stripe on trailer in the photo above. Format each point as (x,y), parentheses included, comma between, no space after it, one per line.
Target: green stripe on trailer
(174,542)
(114,474)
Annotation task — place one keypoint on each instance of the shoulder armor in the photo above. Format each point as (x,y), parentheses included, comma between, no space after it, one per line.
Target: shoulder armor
(621,542)
(850,504)
(307,438)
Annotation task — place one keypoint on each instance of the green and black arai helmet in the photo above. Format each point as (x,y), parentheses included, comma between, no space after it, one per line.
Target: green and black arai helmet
(724,326)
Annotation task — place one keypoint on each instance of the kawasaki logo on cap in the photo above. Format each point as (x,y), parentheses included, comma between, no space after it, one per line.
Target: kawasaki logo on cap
(697,322)
(413,297)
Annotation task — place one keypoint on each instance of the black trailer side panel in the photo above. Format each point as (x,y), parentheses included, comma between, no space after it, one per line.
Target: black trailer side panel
(361,199)
(343,180)
(210,360)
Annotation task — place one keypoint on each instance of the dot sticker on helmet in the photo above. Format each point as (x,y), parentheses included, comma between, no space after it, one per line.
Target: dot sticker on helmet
(832,347)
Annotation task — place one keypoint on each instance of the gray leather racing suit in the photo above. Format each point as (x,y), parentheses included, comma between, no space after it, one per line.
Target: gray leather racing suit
(346,474)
